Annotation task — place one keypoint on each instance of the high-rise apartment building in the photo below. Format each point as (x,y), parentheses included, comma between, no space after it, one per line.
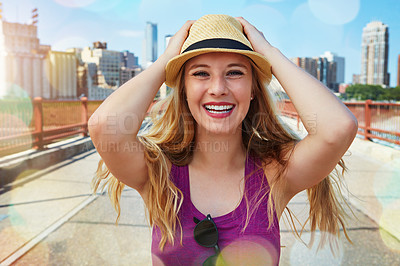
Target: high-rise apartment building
(150,44)
(320,68)
(22,60)
(374,54)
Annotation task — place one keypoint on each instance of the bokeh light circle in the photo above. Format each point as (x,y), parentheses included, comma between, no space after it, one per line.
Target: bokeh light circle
(254,251)
(75,3)
(300,254)
(336,12)
(387,183)
(389,225)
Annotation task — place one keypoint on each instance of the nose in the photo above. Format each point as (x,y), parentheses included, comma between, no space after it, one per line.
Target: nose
(218,86)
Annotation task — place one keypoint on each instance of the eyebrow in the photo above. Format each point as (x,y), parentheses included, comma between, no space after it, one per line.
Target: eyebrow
(237,65)
(198,65)
(207,66)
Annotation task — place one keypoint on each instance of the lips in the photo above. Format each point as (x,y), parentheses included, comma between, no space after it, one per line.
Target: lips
(219,110)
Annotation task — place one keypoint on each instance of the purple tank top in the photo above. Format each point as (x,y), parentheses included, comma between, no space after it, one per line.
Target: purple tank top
(256,244)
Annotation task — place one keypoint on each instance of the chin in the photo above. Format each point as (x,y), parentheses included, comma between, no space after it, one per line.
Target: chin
(221,129)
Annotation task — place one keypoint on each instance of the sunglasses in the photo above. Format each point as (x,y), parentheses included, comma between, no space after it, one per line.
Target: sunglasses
(206,235)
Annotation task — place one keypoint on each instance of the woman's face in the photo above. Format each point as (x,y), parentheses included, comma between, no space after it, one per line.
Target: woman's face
(218,87)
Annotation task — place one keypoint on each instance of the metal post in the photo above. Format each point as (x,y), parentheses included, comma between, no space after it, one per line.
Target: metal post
(38,116)
(367,119)
(84,114)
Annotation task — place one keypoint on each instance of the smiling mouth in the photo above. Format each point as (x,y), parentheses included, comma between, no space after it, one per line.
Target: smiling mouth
(218,109)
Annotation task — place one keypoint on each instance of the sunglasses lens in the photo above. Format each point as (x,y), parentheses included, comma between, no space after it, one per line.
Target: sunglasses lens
(205,233)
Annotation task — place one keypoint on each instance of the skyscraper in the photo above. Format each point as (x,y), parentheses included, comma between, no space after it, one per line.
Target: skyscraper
(332,57)
(374,54)
(320,68)
(150,47)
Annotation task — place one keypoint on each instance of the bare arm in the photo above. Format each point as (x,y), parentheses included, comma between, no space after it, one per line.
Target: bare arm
(115,124)
(333,126)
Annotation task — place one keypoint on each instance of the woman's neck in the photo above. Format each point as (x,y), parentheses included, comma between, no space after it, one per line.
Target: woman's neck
(222,151)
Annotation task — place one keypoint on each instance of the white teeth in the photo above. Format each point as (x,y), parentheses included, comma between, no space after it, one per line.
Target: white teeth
(214,108)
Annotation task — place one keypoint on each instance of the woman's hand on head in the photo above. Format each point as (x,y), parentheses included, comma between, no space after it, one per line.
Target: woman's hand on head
(176,42)
(256,37)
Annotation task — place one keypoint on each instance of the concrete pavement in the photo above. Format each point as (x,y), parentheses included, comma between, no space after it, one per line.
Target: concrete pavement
(53,209)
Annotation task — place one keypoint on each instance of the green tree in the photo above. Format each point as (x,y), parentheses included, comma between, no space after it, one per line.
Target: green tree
(362,92)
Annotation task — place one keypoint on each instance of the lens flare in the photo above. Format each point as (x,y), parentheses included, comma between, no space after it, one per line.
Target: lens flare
(387,183)
(10,240)
(16,115)
(300,254)
(75,3)
(337,12)
(254,251)
(390,222)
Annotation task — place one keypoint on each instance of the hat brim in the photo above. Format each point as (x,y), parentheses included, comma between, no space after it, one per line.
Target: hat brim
(174,66)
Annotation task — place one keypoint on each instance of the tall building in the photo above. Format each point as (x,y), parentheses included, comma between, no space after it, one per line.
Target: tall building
(129,59)
(374,54)
(320,68)
(340,65)
(129,66)
(22,60)
(108,64)
(150,44)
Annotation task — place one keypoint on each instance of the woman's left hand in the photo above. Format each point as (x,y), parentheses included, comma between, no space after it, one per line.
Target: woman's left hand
(256,37)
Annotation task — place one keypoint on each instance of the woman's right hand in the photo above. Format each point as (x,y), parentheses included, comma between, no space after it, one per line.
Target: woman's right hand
(175,43)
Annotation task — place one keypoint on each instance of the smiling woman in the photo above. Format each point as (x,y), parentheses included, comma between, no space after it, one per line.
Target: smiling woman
(218,90)
(222,206)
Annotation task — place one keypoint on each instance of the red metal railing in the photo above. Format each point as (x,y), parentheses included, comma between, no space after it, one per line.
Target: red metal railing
(25,125)
(376,120)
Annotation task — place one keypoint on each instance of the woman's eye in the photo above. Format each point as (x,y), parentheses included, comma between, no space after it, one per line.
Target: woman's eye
(235,73)
(200,74)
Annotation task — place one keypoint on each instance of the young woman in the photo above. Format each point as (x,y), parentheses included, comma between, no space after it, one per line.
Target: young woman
(217,167)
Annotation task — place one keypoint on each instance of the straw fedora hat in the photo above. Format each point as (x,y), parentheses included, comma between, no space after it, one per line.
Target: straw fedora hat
(216,33)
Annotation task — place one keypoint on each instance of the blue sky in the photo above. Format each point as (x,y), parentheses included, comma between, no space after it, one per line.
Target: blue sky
(296,27)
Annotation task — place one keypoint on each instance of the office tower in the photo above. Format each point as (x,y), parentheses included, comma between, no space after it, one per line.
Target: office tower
(340,65)
(374,54)
(320,68)
(129,59)
(129,66)
(150,44)
(103,69)
(107,61)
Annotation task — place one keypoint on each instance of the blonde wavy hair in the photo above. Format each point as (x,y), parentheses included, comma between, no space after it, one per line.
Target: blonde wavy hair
(171,137)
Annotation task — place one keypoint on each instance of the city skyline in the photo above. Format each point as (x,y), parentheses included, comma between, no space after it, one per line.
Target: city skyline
(299,28)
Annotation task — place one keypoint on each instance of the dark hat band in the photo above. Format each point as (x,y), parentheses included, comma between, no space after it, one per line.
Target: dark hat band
(218,43)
